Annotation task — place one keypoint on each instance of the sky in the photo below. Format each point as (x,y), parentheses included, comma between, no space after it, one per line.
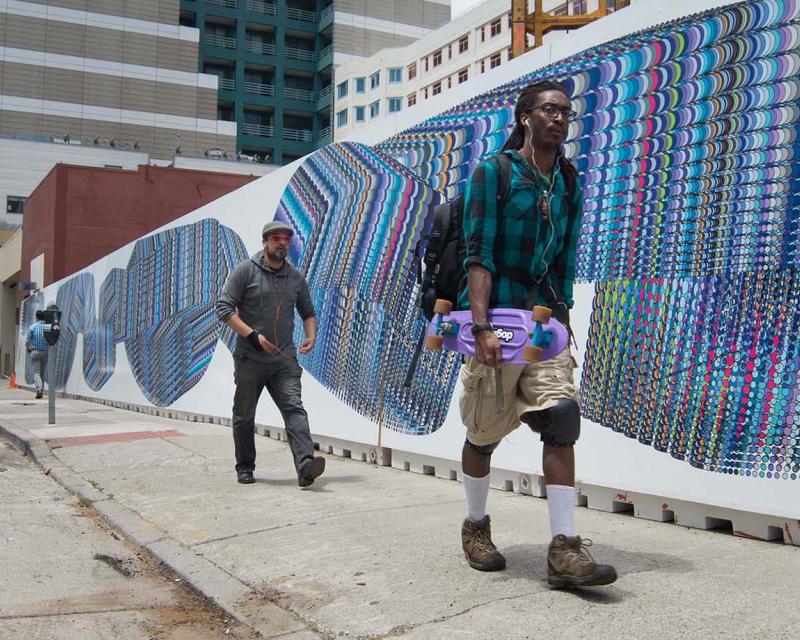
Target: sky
(458,7)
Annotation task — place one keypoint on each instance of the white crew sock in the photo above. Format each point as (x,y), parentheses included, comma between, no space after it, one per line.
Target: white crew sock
(477,490)
(561,506)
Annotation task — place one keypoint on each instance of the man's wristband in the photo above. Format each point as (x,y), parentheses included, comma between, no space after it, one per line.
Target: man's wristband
(252,338)
(480,327)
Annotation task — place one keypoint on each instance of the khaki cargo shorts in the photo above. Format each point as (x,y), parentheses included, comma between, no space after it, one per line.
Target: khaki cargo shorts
(532,387)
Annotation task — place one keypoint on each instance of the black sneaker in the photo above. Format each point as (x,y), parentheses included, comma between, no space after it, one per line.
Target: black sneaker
(245,476)
(311,470)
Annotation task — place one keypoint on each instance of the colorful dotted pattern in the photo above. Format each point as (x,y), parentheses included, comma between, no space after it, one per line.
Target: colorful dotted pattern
(706,369)
(161,306)
(357,218)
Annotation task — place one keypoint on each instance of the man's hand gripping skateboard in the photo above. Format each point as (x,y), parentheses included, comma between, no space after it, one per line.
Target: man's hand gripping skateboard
(516,337)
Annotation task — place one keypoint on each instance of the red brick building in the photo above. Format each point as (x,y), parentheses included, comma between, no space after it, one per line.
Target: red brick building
(79,214)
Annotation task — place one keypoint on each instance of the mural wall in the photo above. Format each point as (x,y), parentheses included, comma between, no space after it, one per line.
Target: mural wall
(687,144)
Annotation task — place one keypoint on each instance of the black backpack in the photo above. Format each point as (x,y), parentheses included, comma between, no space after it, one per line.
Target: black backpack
(446,250)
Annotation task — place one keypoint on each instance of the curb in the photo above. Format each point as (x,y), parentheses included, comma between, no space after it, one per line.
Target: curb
(202,575)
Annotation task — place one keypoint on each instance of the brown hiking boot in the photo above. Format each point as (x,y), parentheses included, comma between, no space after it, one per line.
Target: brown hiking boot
(569,564)
(476,540)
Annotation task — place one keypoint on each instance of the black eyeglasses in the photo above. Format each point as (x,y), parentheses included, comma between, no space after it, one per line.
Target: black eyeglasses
(552,111)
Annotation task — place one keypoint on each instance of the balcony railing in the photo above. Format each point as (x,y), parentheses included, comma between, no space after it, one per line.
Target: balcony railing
(299,94)
(228,4)
(223,42)
(297,135)
(226,84)
(256,46)
(326,52)
(259,88)
(265,8)
(325,134)
(301,14)
(260,130)
(327,11)
(326,92)
(306,55)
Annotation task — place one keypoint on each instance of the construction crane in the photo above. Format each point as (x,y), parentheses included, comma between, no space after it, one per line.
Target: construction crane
(541,22)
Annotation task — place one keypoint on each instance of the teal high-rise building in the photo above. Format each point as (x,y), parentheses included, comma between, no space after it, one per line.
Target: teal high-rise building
(275,61)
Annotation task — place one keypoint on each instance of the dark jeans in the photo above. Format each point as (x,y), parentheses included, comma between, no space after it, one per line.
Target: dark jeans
(282,380)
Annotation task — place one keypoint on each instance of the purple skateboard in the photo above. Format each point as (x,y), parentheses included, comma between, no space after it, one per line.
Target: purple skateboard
(523,340)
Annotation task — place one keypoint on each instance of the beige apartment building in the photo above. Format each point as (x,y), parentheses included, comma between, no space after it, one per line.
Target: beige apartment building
(111,73)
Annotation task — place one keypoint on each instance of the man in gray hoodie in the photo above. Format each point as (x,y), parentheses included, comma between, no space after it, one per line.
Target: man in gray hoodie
(258,303)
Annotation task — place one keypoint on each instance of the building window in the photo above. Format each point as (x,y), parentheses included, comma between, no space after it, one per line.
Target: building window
(14,204)
(341,118)
(495,60)
(510,22)
(341,90)
(375,109)
(436,89)
(394,104)
(437,58)
(395,75)
(463,75)
(360,114)
(425,93)
(560,10)
(483,65)
(450,51)
(495,28)
(412,99)
(483,33)
(426,63)
(375,80)
(412,70)
(463,44)
(449,82)
(578,7)
(361,85)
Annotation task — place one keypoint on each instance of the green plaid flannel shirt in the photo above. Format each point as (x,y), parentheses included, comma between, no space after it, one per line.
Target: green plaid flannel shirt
(519,240)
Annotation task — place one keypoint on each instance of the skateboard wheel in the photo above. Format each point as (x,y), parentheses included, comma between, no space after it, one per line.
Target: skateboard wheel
(541,314)
(531,353)
(443,306)
(434,343)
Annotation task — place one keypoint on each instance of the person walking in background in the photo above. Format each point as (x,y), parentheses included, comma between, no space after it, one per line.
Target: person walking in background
(258,303)
(37,346)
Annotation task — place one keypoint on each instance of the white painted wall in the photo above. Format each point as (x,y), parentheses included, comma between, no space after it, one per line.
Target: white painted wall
(605,458)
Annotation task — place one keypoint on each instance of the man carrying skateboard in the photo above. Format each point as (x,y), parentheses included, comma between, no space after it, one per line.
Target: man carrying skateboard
(258,303)
(517,257)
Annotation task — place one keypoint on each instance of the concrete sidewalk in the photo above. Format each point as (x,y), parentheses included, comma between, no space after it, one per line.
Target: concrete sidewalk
(374,552)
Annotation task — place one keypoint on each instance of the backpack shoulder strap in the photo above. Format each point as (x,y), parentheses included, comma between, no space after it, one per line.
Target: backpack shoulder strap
(570,176)
(439,230)
(503,163)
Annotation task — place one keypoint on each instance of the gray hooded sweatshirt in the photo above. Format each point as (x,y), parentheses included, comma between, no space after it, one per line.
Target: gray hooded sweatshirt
(265,299)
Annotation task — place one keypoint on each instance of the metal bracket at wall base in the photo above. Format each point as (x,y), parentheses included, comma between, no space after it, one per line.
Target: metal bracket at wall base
(690,514)
(380,456)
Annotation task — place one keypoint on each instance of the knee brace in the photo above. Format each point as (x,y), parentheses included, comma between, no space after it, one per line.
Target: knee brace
(484,450)
(559,425)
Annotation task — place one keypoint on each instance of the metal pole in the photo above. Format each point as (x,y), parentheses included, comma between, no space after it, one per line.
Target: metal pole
(51,393)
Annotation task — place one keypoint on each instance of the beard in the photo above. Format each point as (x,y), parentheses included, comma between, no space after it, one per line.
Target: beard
(278,254)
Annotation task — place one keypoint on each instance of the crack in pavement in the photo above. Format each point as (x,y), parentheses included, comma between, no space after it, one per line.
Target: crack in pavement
(325,519)
(55,614)
(402,629)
